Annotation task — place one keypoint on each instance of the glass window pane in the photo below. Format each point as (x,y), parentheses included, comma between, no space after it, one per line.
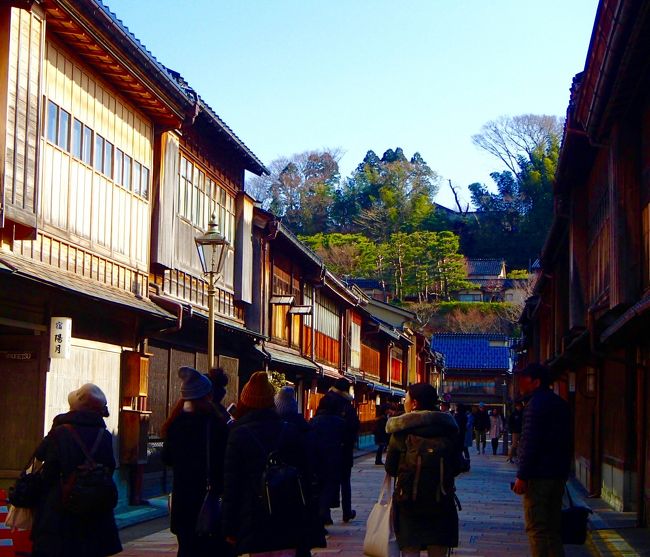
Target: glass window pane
(136,177)
(64,130)
(99,152)
(127,172)
(108,159)
(77,130)
(118,166)
(52,115)
(145,183)
(88,145)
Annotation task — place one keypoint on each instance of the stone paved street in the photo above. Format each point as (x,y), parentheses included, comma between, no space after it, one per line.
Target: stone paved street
(491,519)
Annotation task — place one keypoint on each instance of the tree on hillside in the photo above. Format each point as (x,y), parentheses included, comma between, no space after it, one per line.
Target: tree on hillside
(300,189)
(351,255)
(388,195)
(513,221)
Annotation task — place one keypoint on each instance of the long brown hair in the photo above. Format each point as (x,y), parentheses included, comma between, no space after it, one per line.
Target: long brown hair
(203,405)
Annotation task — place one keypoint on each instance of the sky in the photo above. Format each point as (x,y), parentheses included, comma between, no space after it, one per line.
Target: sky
(290,76)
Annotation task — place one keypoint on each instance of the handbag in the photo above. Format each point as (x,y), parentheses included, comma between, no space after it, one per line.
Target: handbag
(380,540)
(28,489)
(574,522)
(208,521)
(19,518)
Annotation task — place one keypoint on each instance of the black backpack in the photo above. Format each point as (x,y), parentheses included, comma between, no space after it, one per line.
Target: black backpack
(89,489)
(426,473)
(281,492)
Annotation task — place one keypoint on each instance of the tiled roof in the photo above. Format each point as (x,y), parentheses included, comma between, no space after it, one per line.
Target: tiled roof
(484,267)
(472,351)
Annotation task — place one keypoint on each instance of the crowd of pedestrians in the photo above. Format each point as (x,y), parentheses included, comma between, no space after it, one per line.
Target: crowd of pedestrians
(261,480)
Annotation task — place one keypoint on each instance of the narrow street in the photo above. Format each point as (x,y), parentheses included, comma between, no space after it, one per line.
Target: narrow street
(491,519)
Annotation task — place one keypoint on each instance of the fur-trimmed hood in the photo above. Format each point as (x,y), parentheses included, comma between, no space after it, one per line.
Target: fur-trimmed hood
(346,396)
(423,419)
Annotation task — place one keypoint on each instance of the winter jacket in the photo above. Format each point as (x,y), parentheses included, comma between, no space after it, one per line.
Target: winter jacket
(545,446)
(325,444)
(469,432)
(381,437)
(185,450)
(481,421)
(422,524)
(496,427)
(251,438)
(461,421)
(343,404)
(55,532)
(515,421)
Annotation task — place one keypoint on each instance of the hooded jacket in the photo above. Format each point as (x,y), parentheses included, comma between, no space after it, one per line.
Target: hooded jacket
(422,524)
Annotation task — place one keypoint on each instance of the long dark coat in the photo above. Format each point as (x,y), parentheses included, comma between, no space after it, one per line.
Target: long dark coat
(243,516)
(185,450)
(57,533)
(325,442)
(342,404)
(417,524)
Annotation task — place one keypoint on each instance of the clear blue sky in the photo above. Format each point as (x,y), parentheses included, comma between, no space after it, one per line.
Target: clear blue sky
(294,75)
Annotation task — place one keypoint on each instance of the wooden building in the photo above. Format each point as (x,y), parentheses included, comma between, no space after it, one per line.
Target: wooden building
(478,367)
(588,317)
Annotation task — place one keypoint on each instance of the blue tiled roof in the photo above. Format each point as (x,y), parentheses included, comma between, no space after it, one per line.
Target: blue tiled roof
(484,267)
(472,351)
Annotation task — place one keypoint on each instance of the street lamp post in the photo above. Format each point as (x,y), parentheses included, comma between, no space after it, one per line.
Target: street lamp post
(212,247)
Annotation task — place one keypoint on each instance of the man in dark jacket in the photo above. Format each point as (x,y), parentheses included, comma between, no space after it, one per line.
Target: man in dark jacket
(515,421)
(381,437)
(544,460)
(341,399)
(481,427)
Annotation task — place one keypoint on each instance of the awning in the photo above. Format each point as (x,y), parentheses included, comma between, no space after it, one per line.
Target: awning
(285,358)
(64,280)
(281,300)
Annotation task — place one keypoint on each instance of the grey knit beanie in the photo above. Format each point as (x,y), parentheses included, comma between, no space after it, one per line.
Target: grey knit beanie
(194,383)
(285,401)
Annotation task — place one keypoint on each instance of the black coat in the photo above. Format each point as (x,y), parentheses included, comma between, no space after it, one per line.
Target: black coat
(381,437)
(55,532)
(515,421)
(341,403)
(325,443)
(243,516)
(482,421)
(545,445)
(421,524)
(185,450)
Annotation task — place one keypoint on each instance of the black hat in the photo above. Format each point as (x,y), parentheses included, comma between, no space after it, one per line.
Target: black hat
(342,384)
(536,371)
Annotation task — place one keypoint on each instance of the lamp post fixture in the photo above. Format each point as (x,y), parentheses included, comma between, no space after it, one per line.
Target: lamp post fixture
(212,247)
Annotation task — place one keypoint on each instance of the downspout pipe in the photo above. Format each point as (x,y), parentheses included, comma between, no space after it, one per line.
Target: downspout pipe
(173,307)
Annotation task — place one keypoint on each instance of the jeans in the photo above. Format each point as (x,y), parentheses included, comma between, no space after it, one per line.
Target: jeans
(432,551)
(346,491)
(481,439)
(495,445)
(543,515)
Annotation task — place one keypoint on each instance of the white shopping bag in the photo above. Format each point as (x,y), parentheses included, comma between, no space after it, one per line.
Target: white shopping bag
(380,538)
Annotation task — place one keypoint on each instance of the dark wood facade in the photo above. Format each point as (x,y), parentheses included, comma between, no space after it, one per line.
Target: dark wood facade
(589,315)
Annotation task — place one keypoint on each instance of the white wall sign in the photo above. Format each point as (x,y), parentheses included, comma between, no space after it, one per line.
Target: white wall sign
(60,337)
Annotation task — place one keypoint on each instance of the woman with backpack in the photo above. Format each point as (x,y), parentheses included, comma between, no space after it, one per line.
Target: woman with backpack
(423,455)
(62,527)
(265,500)
(194,434)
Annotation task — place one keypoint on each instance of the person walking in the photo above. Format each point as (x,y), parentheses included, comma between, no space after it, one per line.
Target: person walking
(481,427)
(219,381)
(58,531)
(326,447)
(341,399)
(514,426)
(496,429)
(381,437)
(469,433)
(425,515)
(544,460)
(257,519)
(462,420)
(194,434)
(286,406)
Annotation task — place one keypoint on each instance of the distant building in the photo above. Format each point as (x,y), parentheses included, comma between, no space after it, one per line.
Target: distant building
(478,367)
